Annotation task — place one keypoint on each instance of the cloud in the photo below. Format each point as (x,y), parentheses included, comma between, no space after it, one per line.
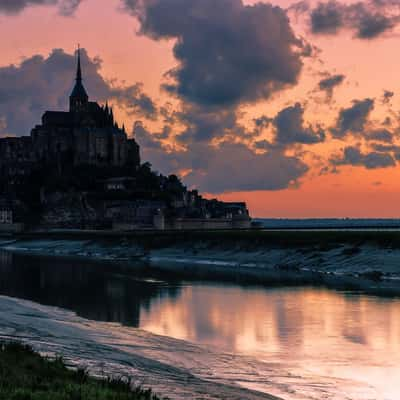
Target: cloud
(387,96)
(135,101)
(330,83)
(247,171)
(227,52)
(380,135)
(66,7)
(45,83)
(353,156)
(224,168)
(354,118)
(367,19)
(386,148)
(291,129)
(203,124)
(150,140)
(327,18)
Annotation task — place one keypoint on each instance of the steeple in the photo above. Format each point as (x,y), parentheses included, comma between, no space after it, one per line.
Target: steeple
(79,69)
(79,99)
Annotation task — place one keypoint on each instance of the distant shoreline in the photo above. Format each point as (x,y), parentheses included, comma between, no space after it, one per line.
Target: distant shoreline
(366,261)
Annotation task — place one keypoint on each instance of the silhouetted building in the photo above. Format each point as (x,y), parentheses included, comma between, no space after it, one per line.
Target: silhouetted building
(87,134)
(79,169)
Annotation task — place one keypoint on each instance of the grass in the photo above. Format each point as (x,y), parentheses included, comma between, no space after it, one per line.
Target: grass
(25,375)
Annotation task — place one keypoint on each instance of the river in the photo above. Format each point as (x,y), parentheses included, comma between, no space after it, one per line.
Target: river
(291,342)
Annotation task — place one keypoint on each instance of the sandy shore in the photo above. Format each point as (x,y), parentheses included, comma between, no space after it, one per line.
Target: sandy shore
(175,368)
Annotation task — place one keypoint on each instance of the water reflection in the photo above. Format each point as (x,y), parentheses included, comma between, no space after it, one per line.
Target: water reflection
(322,332)
(94,291)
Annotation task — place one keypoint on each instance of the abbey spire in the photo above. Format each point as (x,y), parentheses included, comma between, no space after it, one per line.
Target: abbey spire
(79,99)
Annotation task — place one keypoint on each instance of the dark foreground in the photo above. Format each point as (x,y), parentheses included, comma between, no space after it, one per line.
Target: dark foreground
(25,375)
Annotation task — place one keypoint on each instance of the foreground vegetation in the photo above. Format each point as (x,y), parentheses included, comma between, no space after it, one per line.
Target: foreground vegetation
(25,375)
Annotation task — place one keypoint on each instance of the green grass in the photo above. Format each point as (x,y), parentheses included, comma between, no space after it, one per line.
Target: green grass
(25,375)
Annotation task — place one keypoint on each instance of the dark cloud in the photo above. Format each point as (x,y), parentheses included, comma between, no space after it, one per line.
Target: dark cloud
(227,164)
(327,18)
(148,139)
(380,135)
(135,101)
(354,118)
(353,156)
(387,96)
(228,52)
(224,168)
(330,83)
(247,171)
(263,121)
(367,19)
(291,129)
(203,124)
(44,83)
(66,7)
(386,148)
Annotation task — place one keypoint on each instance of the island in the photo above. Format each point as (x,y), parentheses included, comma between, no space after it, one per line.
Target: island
(79,169)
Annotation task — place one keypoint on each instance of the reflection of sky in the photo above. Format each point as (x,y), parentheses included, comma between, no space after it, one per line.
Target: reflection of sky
(326,332)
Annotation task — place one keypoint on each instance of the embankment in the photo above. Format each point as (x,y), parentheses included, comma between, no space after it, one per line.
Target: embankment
(355,260)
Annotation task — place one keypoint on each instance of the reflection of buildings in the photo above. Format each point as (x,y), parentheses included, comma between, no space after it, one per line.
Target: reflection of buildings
(6,259)
(93,291)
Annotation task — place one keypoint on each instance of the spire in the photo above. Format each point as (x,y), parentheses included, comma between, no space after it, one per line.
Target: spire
(79,98)
(79,69)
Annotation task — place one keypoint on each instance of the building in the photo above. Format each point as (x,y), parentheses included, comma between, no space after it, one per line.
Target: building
(79,169)
(86,134)
(11,216)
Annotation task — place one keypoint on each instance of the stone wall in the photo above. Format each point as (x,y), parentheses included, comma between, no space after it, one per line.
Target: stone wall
(11,228)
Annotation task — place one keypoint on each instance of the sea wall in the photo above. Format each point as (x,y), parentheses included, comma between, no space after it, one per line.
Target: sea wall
(11,228)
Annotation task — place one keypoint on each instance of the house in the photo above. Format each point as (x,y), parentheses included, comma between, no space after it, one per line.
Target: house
(10,216)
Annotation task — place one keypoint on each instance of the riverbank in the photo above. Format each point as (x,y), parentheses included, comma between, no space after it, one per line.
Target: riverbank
(180,369)
(24,374)
(357,260)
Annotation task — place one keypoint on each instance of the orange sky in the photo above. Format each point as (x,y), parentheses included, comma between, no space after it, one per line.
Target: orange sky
(370,68)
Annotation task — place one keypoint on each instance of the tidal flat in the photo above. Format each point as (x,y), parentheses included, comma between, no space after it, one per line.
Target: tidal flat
(365,260)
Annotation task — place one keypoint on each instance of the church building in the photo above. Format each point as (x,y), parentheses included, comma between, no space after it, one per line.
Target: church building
(86,134)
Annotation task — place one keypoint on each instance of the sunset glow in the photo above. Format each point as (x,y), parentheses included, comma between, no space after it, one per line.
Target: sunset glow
(326,143)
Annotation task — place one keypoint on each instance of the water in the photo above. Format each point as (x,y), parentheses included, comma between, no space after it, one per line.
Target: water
(331,224)
(298,343)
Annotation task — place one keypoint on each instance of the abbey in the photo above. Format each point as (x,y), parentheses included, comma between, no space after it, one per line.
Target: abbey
(79,169)
(86,134)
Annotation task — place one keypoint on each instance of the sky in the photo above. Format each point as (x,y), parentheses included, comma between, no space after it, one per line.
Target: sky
(290,106)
